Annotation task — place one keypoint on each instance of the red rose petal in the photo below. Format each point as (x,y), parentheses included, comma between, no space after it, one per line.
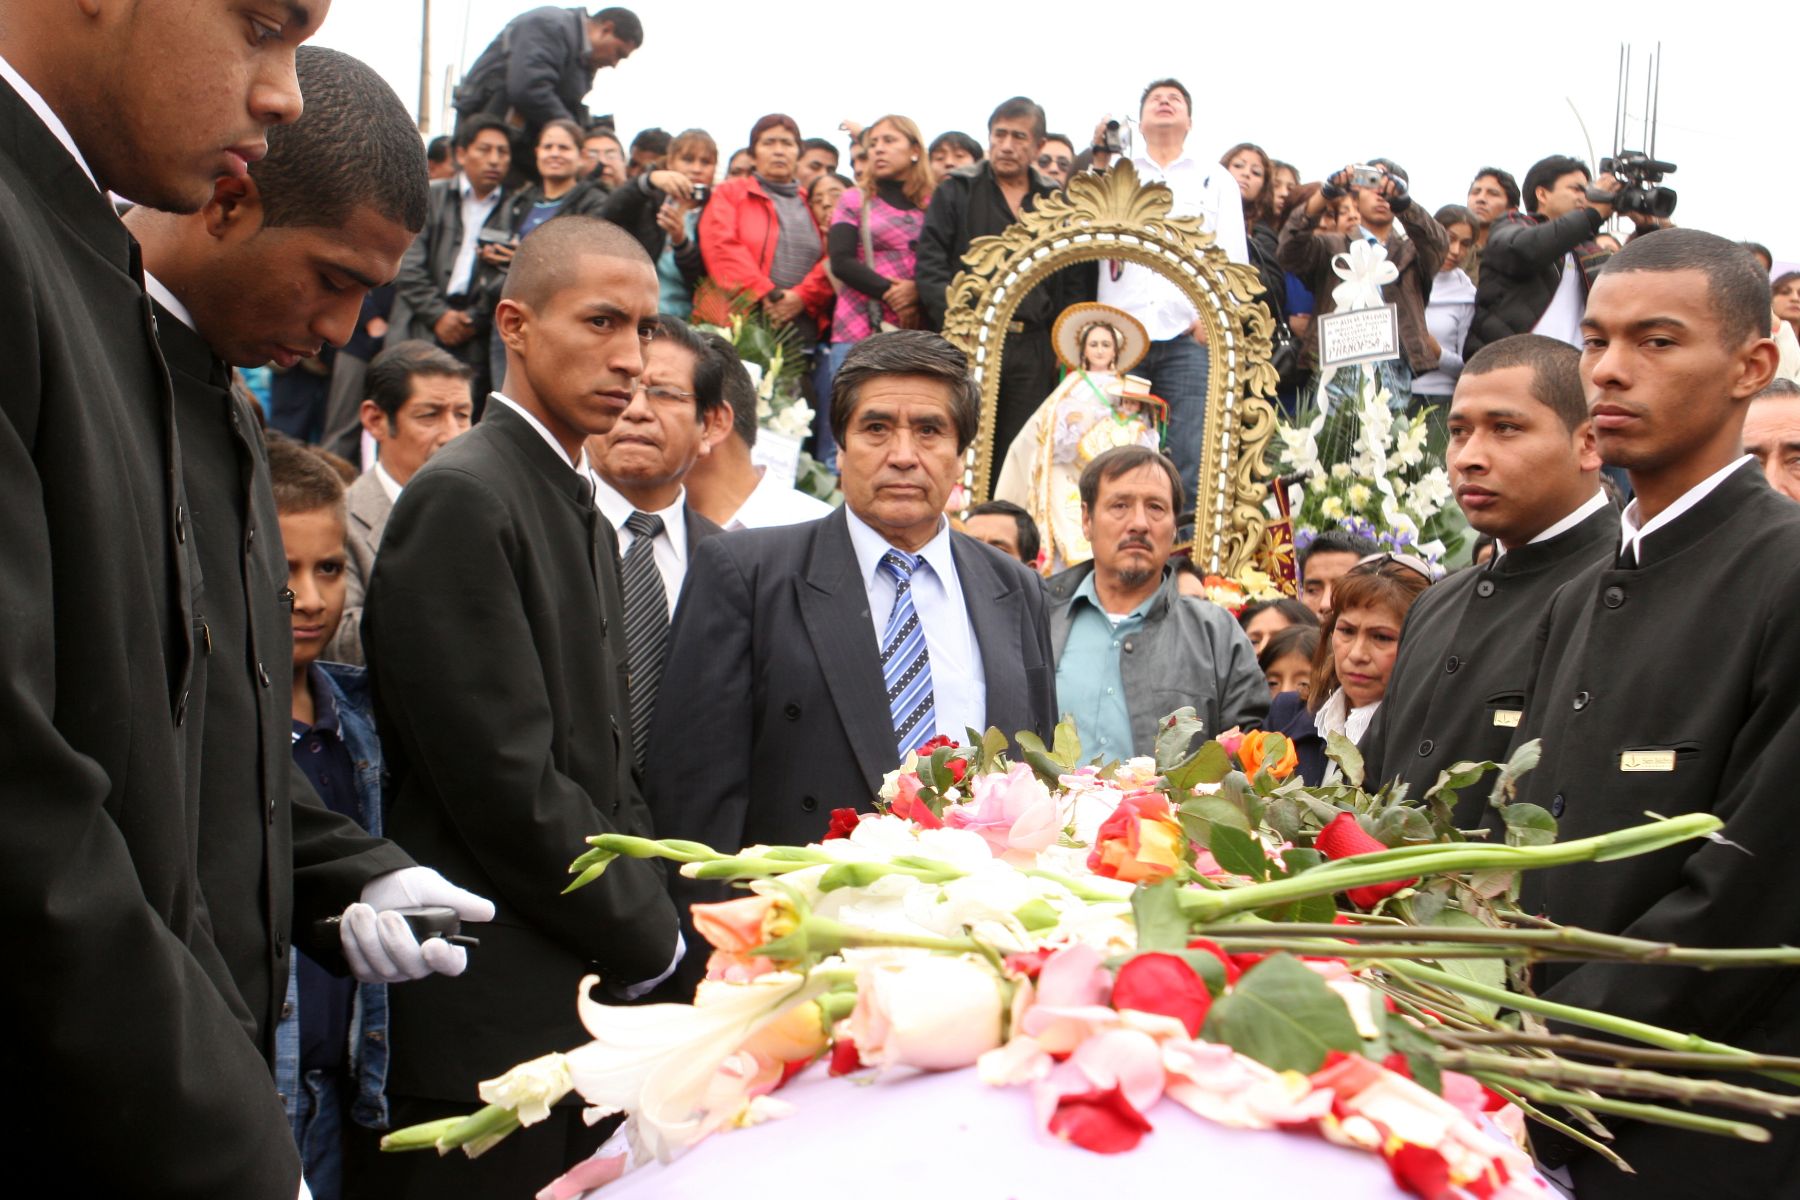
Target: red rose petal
(844,1057)
(1165,985)
(1232,968)
(843,823)
(1421,1171)
(1103,1122)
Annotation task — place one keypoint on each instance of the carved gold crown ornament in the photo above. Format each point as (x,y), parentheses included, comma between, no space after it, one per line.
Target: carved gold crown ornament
(1114,216)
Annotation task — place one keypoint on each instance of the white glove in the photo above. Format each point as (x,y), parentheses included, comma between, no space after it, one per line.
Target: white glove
(379,945)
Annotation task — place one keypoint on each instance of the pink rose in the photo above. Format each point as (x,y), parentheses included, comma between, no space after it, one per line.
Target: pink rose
(1014,813)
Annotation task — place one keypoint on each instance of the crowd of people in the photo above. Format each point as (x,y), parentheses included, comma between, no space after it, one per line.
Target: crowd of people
(293,713)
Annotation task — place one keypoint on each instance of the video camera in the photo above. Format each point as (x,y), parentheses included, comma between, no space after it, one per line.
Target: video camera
(1643,191)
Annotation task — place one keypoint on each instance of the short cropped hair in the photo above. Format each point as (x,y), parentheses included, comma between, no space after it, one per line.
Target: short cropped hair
(1735,283)
(1545,172)
(1122,460)
(438,150)
(473,126)
(1555,372)
(302,480)
(625,24)
(354,146)
(389,382)
(959,139)
(1029,541)
(1335,541)
(1779,389)
(1162,83)
(709,368)
(1021,108)
(907,352)
(819,144)
(654,139)
(543,262)
(1507,183)
(735,387)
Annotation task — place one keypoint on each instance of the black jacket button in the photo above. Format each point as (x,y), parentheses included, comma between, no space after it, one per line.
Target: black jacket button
(791,712)
(1557,805)
(1426,747)
(1453,664)
(1613,596)
(1581,700)
(808,803)
(1485,588)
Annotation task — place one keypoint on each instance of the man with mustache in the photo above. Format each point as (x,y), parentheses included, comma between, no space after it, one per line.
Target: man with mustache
(126,1015)
(1526,473)
(1130,648)
(494,630)
(1665,684)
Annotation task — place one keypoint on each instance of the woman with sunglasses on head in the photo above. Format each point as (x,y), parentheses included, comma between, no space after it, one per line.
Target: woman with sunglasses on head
(1355,658)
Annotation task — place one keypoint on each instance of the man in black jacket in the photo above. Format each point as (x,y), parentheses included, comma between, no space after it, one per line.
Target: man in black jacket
(1526,472)
(1538,265)
(542,66)
(122,1011)
(495,631)
(982,201)
(275,265)
(1664,683)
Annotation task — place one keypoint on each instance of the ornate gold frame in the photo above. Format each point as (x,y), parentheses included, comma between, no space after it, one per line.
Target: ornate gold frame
(1113,216)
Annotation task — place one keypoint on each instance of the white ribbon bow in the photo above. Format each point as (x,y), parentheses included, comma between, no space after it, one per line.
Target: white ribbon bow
(1363,268)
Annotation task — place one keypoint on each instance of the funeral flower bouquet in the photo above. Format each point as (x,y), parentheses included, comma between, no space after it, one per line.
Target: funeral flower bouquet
(1196,929)
(1361,466)
(776,361)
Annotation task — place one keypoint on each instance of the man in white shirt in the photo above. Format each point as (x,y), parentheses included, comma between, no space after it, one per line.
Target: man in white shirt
(676,416)
(448,280)
(1666,685)
(1178,364)
(726,486)
(418,399)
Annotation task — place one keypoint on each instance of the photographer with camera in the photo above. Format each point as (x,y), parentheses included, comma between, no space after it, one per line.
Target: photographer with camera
(661,208)
(1539,263)
(1416,250)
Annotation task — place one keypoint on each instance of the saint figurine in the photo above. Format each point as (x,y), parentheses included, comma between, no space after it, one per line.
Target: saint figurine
(1095,408)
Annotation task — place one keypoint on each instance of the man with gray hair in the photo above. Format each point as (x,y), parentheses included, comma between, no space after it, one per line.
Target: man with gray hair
(816,657)
(1772,434)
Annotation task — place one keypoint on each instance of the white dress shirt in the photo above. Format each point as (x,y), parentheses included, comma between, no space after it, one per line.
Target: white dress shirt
(670,549)
(578,465)
(388,483)
(475,211)
(1201,190)
(1628,520)
(957,677)
(1562,319)
(160,293)
(1594,504)
(1336,716)
(776,503)
(34,101)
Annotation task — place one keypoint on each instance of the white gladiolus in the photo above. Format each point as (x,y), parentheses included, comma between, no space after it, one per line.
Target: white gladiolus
(530,1089)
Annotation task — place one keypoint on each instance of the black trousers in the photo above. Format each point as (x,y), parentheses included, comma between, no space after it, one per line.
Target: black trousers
(513,1170)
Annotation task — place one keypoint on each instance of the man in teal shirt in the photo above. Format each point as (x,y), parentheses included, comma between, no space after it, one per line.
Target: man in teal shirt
(1130,648)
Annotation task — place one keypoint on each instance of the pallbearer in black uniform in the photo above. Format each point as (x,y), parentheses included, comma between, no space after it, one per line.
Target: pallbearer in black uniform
(1526,472)
(1666,683)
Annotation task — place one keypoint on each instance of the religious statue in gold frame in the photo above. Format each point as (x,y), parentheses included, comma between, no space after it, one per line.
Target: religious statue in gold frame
(1114,216)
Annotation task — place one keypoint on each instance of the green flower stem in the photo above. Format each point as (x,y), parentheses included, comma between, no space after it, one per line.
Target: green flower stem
(1653,1113)
(1091,893)
(1624,1027)
(488,1124)
(1560,942)
(1389,866)
(1621,1081)
(1567,1044)
(1563,1127)
(820,937)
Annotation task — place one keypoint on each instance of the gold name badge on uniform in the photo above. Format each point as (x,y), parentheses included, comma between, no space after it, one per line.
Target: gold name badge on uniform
(1507,718)
(1647,760)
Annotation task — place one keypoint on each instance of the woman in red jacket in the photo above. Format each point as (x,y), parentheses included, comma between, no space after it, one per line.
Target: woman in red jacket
(758,237)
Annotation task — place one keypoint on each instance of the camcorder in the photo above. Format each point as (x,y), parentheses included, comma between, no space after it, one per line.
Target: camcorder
(700,192)
(1643,191)
(1113,142)
(494,237)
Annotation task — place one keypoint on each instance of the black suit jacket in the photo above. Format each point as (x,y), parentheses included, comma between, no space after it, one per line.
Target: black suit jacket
(115,993)
(1686,663)
(496,642)
(772,710)
(267,840)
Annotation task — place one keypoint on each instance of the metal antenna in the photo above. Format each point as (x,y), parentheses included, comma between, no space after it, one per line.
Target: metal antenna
(1624,101)
(1656,103)
(1619,98)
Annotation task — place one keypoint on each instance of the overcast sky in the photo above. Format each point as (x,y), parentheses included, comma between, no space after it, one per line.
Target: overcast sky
(1316,84)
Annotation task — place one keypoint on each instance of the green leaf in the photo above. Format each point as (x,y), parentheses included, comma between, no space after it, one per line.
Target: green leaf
(1284,817)
(1048,769)
(1404,1036)
(1066,744)
(1037,914)
(1173,733)
(1428,903)
(1314,910)
(1208,764)
(1489,971)
(1297,860)
(1523,759)
(1528,825)
(1284,1016)
(993,745)
(1199,814)
(1239,853)
(1156,911)
(1342,751)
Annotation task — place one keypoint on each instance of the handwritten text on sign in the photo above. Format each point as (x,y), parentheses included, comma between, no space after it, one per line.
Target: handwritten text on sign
(1364,336)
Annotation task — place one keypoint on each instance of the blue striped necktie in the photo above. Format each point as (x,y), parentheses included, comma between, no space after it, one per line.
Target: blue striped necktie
(906,662)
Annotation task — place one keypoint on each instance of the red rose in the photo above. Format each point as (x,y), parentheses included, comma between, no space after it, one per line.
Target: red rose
(1344,838)
(1165,985)
(937,743)
(1103,1122)
(844,1056)
(1421,1171)
(1028,964)
(843,823)
(1141,840)
(958,767)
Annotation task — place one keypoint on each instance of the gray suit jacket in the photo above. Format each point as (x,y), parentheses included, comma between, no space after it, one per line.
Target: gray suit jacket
(368,507)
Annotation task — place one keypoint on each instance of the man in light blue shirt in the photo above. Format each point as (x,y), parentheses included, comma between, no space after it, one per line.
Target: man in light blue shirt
(1130,648)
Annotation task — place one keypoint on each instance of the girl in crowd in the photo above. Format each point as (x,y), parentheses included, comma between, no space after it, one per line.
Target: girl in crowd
(1094,409)
(1250,166)
(1787,299)
(1449,312)
(1287,659)
(1263,619)
(822,196)
(952,150)
(1355,658)
(1284,178)
(662,209)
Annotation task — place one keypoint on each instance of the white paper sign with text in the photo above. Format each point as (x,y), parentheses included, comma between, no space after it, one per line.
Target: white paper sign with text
(1364,336)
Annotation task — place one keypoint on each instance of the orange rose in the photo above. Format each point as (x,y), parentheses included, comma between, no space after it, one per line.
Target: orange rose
(735,926)
(1141,840)
(1257,744)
